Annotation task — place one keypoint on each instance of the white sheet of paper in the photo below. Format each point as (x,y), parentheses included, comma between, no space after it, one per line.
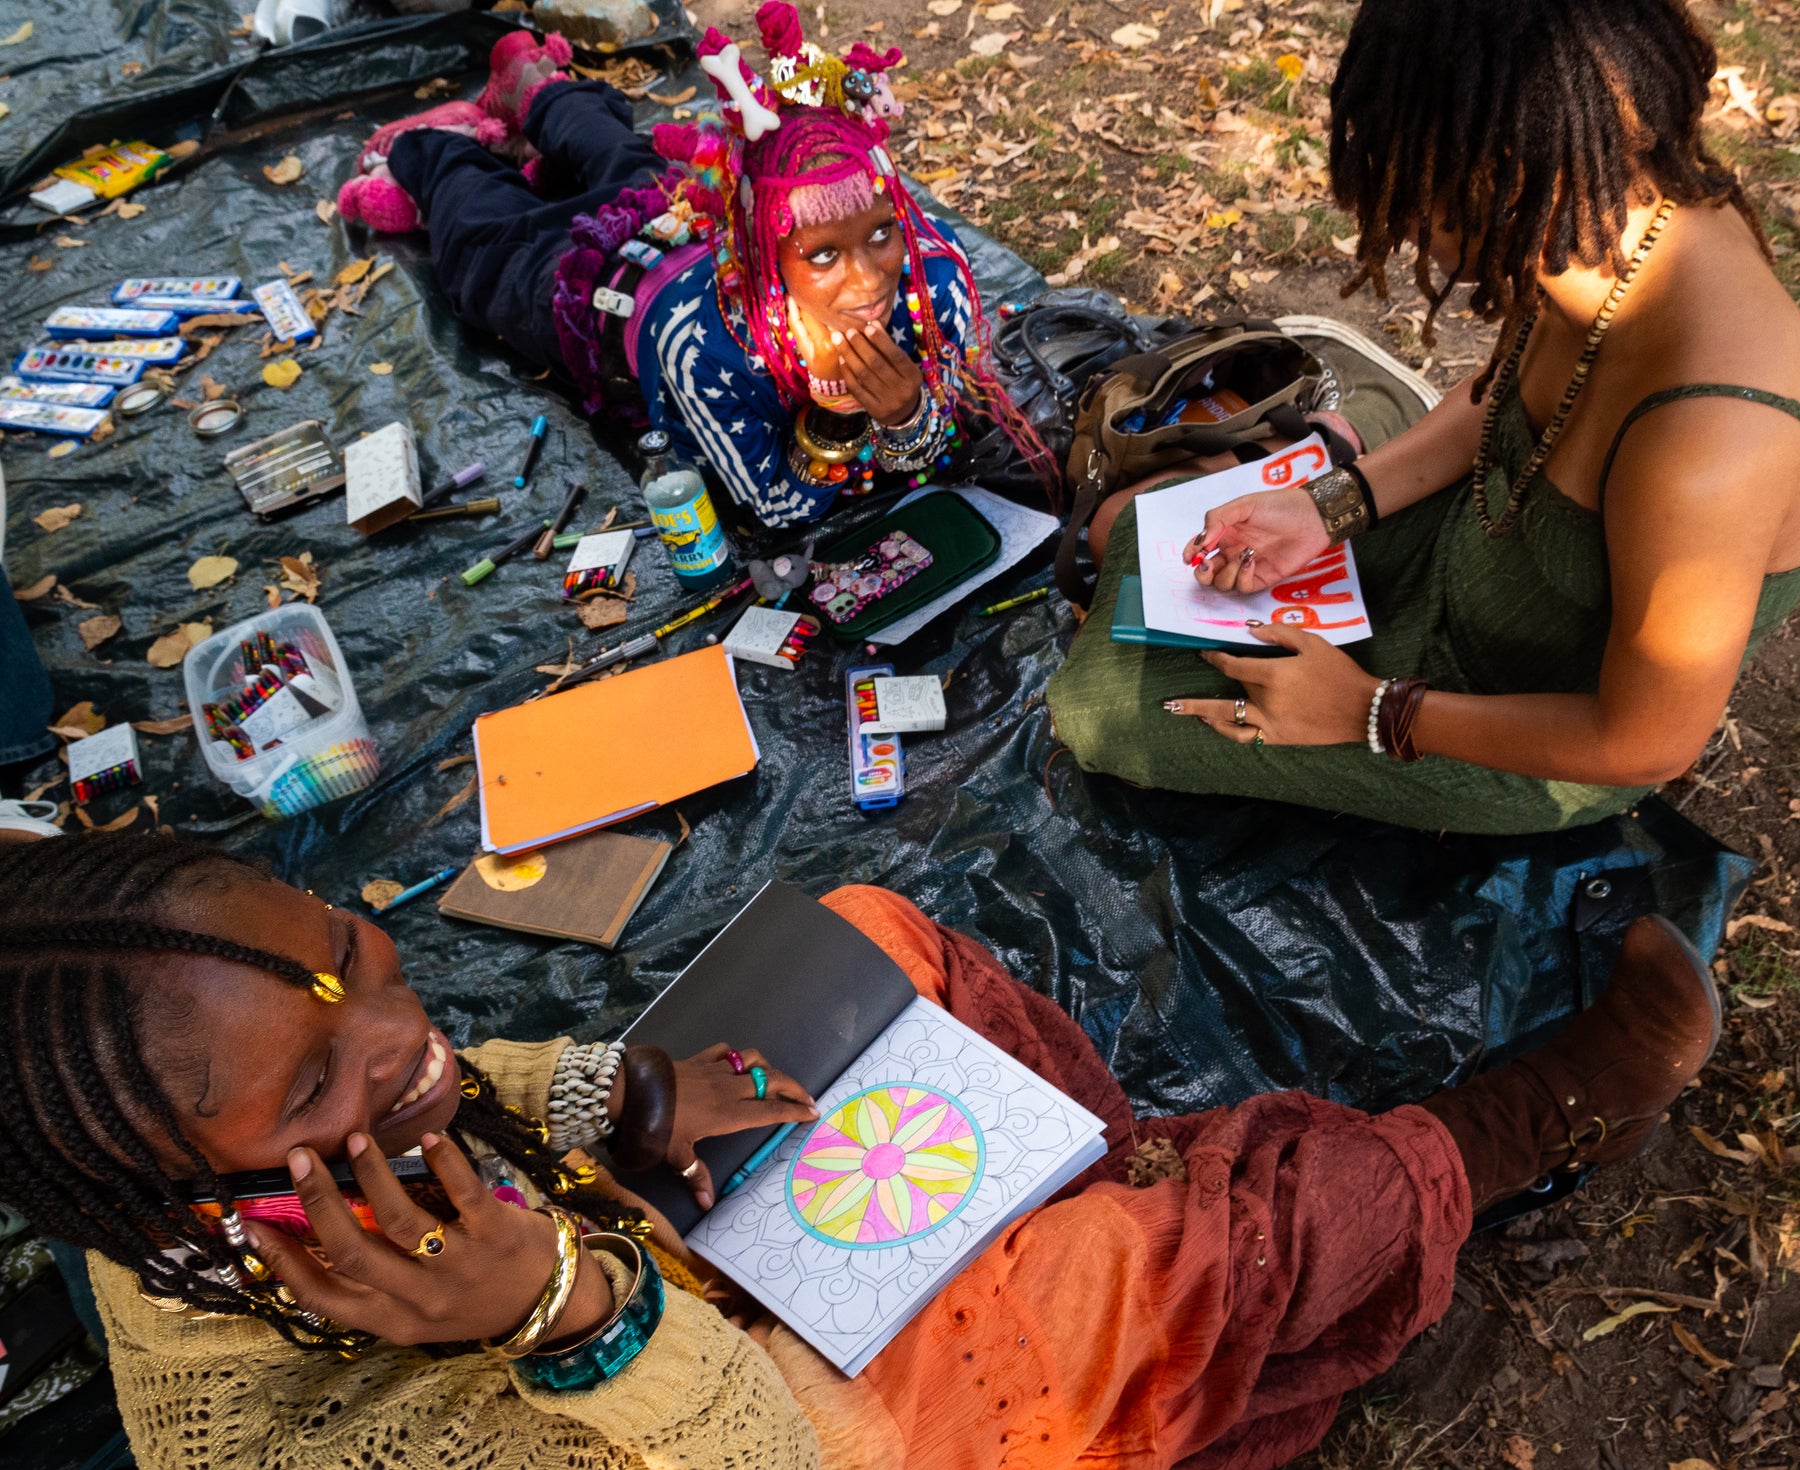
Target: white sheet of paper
(857,1221)
(1326,598)
(1021,530)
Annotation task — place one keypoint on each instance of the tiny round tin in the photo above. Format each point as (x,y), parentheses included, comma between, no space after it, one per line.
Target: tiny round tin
(138,398)
(209,420)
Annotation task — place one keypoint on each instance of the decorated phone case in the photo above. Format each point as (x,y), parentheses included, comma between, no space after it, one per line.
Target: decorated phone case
(843,589)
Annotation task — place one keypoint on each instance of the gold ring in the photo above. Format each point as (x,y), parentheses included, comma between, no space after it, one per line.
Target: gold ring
(1259,739)
(1239,711)
(431,1243)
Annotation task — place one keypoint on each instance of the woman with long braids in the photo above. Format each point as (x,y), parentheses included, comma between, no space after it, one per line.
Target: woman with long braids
(790,317)
(173,1019)
(1569,559)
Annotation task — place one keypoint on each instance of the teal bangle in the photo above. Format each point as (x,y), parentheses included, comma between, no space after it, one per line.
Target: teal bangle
(618,1341)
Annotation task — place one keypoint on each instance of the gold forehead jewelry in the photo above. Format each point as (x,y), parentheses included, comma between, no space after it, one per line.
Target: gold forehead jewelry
(327,987)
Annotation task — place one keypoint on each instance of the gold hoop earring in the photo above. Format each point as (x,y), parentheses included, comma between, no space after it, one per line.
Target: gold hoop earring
(327,987)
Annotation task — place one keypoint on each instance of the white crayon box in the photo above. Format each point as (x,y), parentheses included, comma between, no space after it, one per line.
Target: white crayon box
(196,306)
(286,316)
(144,349)
(62,365)
(23,416)
(115,321)
(74,395)
(216,288)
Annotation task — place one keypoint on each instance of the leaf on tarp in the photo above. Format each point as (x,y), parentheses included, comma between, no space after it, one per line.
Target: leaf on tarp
(381,369)
(1136,34)
(453,762)
(451,805)
(39,588)
(95,631)
(561,670)
(69,599)
(186,148)
(217,319)
(378,893)
(354,272)
(131,211)
(69,242)
(1612,1324)
(172,726)
(209,571)
(282,374)
(326,211)
(22,34)
(300,576)
(62,447)
(211,388)
(117,824)
(172,648)
(57,516)
(285,172)
(80,721)
(602,612)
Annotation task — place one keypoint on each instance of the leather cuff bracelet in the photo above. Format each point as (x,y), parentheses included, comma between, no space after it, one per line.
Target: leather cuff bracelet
(1395,715)
(1345,505)
(642,1137)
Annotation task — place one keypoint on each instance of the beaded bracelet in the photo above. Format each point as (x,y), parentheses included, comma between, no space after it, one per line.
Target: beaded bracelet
(1375,745)
(579,1087)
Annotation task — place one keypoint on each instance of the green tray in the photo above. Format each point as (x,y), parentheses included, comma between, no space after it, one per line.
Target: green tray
(961,543)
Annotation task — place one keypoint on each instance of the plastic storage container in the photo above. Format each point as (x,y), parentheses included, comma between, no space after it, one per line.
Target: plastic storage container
(329,756)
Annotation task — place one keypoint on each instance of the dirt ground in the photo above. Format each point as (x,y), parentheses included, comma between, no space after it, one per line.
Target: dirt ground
(1176,156)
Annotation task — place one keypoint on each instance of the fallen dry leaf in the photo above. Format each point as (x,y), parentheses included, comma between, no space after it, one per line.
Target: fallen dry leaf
(131,68)
(69,599)
(62,447)
(1693,1344)
(211,388)
(326,211)
(172,726)
(186,148)
(131,211)
(1756,921)
(1519,1453)
(1006,10)
(95,631)
(57,516)
(22,34)
(451,805)
(603,612)
(285,172)
(215,319)
(381,369)
(378,893)
(82,718)
(1691,1464)
(453,762)
(172,648)
(209,571)
(675,99)
(991,44)
(69,242)
(5,111)
(39,588)
(282,374)
(300,576)
(1136,34)
(944,7)
(41,263)
(354,272)
(1611,1324)
(117,824)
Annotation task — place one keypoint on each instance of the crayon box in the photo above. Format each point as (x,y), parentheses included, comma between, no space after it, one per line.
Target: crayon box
(877,762)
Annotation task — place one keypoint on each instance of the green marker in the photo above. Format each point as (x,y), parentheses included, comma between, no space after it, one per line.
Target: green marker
(1037,594)
(488,563)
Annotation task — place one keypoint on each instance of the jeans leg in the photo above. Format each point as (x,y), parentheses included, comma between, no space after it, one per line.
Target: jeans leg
(584,129)
(25,695)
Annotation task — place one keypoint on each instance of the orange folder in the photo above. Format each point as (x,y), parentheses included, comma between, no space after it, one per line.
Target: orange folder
(606,751)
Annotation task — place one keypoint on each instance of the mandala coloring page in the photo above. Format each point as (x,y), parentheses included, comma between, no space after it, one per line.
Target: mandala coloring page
(927,1145)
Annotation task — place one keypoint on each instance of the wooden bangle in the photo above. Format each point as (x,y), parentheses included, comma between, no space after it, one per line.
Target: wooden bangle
(642,1137)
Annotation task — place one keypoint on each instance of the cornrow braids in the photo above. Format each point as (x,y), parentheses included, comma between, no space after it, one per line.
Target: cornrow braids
(85,1122)
(1526,128)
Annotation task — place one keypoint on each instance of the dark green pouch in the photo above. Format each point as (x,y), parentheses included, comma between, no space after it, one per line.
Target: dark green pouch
(961,543)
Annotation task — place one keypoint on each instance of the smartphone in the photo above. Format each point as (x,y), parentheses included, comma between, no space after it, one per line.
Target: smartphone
(267,1196)
(844,590)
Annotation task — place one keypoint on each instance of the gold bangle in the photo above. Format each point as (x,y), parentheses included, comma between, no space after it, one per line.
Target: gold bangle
(557,1291)
(828,451)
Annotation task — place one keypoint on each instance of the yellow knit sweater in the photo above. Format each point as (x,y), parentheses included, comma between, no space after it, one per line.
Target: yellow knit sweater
(229,1394)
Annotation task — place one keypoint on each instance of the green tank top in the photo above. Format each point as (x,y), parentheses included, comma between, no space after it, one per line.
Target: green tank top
(1545,587)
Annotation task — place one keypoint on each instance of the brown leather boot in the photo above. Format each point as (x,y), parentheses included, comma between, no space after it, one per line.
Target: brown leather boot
(1596,1093)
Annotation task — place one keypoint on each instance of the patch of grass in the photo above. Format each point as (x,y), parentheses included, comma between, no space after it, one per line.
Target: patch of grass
(1255,80)
(1761,968)
(971,67)
(1755,46)
(1298,148)
(1172,166)
(1106,267)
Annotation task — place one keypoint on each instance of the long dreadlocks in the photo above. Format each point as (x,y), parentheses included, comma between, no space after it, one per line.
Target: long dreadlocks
(1525,127)
(81,1117)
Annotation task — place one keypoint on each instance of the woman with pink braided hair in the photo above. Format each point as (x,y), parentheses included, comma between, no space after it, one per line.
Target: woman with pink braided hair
(761,286)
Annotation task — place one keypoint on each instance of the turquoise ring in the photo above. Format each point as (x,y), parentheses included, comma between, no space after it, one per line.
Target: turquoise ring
(760,1076)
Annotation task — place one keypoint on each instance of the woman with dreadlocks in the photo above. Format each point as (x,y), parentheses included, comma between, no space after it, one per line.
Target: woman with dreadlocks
(1567,561)
(170,1018)
(789,315)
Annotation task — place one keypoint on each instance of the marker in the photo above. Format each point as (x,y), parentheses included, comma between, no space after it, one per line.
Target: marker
(1202,557)
(1037,594)
(545,542)
(536,442)
(710,605)
(458,481)
(468,508)
(487,564)
(756,1160)
(640,529)
(406,895)
(635,648)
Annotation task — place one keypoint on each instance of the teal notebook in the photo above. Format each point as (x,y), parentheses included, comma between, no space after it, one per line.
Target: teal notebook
(1128,626)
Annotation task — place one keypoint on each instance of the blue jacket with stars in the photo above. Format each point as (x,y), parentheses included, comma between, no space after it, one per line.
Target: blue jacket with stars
(721,408)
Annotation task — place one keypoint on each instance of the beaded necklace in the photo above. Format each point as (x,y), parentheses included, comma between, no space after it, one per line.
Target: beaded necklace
(1509,371)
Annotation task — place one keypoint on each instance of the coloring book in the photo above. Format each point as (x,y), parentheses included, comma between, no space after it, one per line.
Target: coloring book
(1324,598)
(927,1146)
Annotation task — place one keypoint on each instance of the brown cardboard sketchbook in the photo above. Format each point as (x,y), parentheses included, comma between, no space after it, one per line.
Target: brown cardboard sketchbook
(586,888)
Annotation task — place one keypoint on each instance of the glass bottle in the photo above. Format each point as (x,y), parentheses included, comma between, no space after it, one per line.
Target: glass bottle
(683,515)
